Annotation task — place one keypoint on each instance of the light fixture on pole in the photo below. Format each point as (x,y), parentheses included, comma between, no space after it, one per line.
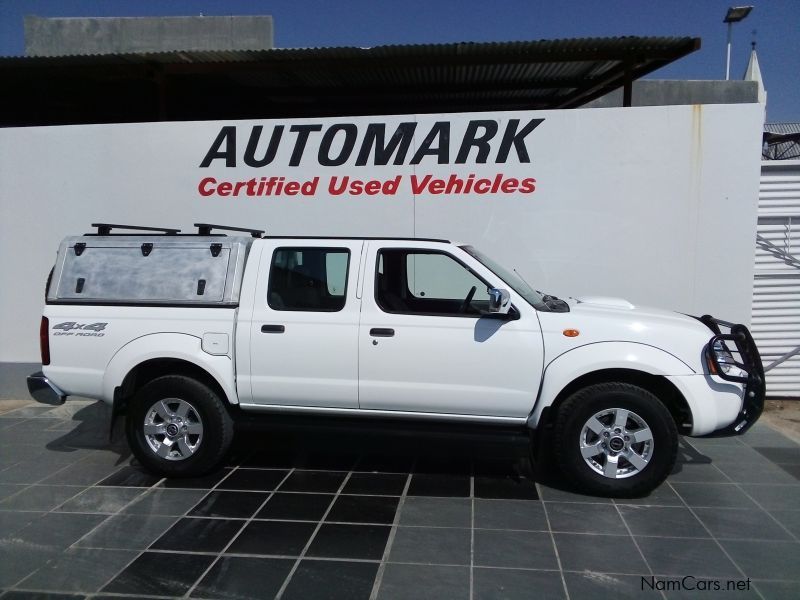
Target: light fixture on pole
(734,15)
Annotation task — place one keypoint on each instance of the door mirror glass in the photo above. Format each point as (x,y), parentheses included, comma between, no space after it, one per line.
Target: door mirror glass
(499,301)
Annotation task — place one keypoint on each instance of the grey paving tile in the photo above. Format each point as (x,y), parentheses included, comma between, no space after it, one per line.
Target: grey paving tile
(516,584)
(704,588)
(778,590)
(763,435)
(82,473)
(438,512)
(699,473)
(11,521)
(431,545)
(424,582)
(29,471)
(591,584)
(106,500)
(39,497)
(34,425)
(510,514)
(784,455)
(740,453)
(9,489)
(127,532)
(778,497)
(585,518)
(741,523)
(58,530)
(165,502)
(721,495)
(756,473)
(28,412)
(789,519)
(517,549)
(663,495)
(680,557)
(599,553)
(670,521)
(79,570)
(18,560)
(557,495)
(766,560)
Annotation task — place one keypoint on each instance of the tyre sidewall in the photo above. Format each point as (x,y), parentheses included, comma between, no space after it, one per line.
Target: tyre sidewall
(594,399)
(216,436)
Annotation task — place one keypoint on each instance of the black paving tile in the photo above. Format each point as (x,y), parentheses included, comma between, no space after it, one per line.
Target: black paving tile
(741,523)
(569,517)
(331,579)
(424,582)
(443,465)
(105,500)
(349,541)
(680,557)
(253,479)
(516,549)
(202,483)
(39,497)
(156,573)
(509,487)
(239,577)
(277,538)
(325,462)
(436,512)
(82,473)
(296,507)
(603,586)
(313,481)
(778,590)
(363,509)
(165,502)
(23,595)
(385,464)
(233,505)
(515,584)
(426,484)
(509,514)
(432,545)
(79,570)
(12,521)
(131,476)
(671,521)
(599,553)
(778,497)
(128,532)
(269,460)
(766,560)
(386,484)
(716,495)
(198,535)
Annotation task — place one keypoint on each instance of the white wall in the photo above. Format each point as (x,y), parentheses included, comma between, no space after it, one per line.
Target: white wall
(654,204)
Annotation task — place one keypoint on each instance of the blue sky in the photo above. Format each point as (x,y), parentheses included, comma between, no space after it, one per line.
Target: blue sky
(299,23)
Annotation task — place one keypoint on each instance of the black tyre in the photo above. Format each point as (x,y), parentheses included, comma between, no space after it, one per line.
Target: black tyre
(615,439)
(178,427)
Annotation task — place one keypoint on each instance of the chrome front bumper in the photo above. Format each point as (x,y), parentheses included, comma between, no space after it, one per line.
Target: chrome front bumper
(42,390)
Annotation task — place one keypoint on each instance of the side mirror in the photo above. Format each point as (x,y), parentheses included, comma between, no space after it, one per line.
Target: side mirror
(499,301)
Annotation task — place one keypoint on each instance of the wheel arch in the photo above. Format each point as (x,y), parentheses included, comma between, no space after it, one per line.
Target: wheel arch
(658,385)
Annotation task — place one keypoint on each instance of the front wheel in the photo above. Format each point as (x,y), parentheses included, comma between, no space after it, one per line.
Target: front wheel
(615,439)
(178,427)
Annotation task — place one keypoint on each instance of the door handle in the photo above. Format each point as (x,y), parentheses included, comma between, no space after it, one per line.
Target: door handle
(272,329)
(381,332)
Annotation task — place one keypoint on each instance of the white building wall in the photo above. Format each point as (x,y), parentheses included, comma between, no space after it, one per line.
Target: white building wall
(654,204)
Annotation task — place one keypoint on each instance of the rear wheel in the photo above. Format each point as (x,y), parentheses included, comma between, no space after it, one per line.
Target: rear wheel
(615,439)
(178,427)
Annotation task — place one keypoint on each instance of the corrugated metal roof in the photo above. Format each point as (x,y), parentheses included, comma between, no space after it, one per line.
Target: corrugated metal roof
(781,141)
(327,81)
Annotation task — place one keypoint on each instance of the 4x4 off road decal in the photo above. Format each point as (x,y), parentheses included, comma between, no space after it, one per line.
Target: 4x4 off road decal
(80,329)
(297,150)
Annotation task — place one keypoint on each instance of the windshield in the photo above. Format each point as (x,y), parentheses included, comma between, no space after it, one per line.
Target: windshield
(516,282)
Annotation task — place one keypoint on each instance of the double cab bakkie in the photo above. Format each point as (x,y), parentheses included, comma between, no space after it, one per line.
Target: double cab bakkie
(186,332)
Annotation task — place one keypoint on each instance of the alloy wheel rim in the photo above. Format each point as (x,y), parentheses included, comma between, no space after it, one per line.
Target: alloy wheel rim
(173,429)
(616,443)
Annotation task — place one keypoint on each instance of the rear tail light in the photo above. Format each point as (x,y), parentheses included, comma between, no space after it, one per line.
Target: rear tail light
(44,340)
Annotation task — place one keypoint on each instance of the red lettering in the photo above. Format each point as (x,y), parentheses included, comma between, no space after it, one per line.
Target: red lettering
(482,186)
(417,186)
(203,188)
(291,188)
(528,185)
(509,185)
(224,188)
(372,187)
(436,186)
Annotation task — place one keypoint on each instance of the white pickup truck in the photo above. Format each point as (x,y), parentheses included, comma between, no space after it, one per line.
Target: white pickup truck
(183,333)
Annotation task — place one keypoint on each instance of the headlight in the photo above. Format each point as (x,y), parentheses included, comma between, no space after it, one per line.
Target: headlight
(724,359)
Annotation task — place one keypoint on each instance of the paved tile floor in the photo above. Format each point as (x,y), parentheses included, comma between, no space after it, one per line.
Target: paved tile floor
(371,515)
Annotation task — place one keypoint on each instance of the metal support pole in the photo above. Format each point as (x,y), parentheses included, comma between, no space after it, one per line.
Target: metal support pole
(728,61)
